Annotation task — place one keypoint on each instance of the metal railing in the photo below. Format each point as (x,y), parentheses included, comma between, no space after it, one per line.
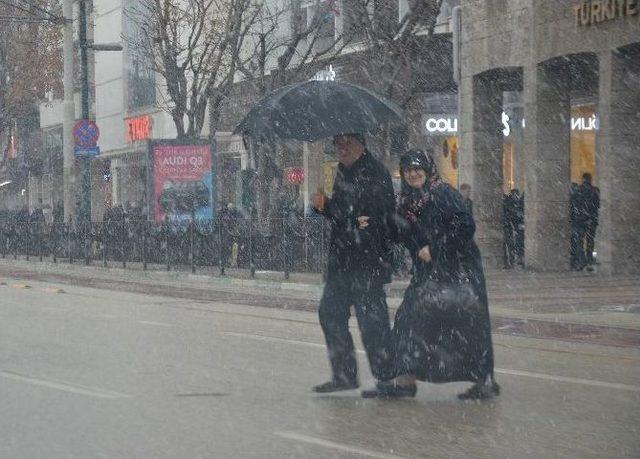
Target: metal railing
(294,244)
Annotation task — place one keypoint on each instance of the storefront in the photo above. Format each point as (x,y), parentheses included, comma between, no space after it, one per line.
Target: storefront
(234,159)
(551,102)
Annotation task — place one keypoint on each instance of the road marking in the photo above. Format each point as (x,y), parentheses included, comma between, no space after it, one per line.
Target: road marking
(63,386)
(505,371)
(567,379)
(563,351)
(155,324)
(273,339)
(333,445)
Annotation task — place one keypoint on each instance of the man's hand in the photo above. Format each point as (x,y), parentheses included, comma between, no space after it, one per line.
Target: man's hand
(319,201)
(363,222)
(425,254)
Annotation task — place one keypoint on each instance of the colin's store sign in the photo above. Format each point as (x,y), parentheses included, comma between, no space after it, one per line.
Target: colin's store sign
(597,11)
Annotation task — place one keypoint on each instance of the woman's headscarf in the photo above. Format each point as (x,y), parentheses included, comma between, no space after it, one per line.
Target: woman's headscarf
(413,200)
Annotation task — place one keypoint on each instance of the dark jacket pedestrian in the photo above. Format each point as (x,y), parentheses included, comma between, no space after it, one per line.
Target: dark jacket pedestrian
(575,222)
(588,217)
(22,216)
(465,191)
(513,226)
(37,216)
(58,213)
(359,263)
(434,342)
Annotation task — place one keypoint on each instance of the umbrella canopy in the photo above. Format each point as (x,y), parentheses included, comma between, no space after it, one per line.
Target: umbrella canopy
(314,110)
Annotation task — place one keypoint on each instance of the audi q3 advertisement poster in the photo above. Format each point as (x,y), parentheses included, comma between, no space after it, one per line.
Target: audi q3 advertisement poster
(182,182)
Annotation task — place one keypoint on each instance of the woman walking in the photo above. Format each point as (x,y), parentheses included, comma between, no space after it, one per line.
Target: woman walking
(442,331)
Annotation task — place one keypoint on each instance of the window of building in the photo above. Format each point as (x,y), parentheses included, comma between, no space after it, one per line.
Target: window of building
(320,16)
(300,19)
(354,25)
(446,10)
(141,82)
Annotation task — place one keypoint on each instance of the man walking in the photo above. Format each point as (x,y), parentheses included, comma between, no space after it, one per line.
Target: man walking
(359,263)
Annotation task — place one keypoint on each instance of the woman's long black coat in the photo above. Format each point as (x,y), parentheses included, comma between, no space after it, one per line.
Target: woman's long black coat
(433,344)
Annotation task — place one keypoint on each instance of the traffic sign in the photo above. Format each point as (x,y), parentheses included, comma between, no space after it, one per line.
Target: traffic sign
(85,152)
(86,133)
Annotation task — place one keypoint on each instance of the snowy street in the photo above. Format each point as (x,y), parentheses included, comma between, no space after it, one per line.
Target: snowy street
(95,373)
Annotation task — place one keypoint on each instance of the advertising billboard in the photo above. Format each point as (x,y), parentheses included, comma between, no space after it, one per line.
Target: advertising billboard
(182,182)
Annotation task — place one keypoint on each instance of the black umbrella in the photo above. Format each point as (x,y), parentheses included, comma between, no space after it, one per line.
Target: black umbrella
(315,110)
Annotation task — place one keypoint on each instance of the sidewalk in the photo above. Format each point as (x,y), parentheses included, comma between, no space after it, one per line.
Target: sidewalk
(567,298)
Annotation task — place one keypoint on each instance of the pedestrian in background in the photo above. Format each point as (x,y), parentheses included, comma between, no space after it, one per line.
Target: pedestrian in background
(513,227)
(590,207)
(442,330)
(576,261)
(359,263)
(465,191)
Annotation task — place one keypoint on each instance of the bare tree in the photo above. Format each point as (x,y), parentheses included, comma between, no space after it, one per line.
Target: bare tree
(386,47)
(393,47)
(290,38)
(30,59)
(194,45)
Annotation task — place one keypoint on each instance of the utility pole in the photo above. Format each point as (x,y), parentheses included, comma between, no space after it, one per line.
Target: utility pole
(69,114)
(85,162)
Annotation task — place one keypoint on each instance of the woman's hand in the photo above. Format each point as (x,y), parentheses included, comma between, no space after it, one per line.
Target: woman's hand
(363,222)
(425,254)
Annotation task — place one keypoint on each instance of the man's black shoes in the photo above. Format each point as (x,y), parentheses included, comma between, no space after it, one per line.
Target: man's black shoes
(481,391)
(335,385)
(388,389)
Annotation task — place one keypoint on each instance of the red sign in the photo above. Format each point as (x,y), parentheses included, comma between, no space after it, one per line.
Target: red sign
(138,128)
(294,175)
(86,133)
(182,182)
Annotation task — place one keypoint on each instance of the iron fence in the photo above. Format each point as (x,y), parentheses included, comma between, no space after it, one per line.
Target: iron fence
(297,244)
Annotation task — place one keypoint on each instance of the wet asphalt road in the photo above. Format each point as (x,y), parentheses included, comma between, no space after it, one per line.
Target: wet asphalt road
(96,373)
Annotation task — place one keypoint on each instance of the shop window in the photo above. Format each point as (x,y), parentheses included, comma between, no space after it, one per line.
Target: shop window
(584,125)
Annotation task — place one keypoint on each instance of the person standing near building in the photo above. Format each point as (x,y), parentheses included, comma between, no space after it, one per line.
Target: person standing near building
(37,216)
(359,263)
(574,216)
(465,191)
(58,213)
(513,225)
(590,207)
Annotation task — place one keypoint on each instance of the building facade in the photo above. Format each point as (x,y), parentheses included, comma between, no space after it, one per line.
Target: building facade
(563,77)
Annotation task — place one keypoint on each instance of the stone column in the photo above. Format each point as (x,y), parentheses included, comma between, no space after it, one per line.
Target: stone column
(485,160)
(547,145)
(618,163)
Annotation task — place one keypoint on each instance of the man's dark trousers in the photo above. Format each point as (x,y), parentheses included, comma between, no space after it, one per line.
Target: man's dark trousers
(590,236)
(370,304)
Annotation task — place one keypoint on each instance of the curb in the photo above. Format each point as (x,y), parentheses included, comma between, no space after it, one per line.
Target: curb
(48,267)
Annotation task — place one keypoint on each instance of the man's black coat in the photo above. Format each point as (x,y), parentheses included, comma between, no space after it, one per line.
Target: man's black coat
(360,256)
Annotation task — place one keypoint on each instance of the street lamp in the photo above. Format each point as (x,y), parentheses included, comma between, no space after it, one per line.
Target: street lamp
(85,162)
